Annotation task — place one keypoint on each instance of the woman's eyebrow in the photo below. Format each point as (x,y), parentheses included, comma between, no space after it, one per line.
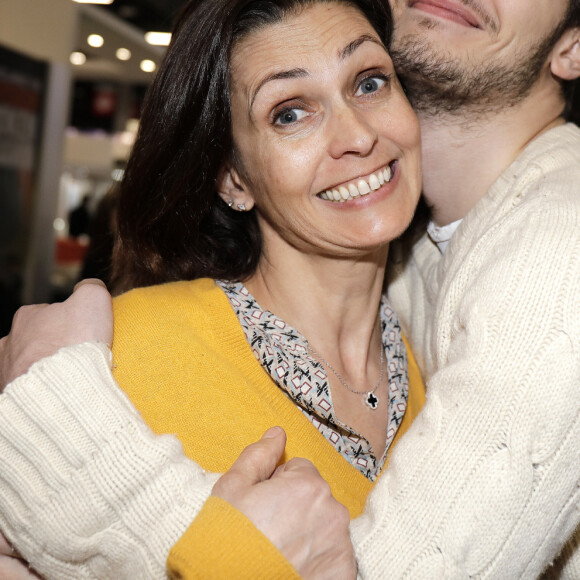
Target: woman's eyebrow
(285,74)
(347,51)
(294,73)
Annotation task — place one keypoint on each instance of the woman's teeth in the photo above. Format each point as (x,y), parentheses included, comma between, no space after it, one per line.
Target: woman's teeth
(360,188)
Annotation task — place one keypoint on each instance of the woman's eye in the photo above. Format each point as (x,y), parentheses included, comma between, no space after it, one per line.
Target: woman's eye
(289,116)
(370,85)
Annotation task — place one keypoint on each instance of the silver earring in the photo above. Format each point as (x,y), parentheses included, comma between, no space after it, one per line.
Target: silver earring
(230,202)
(241,207)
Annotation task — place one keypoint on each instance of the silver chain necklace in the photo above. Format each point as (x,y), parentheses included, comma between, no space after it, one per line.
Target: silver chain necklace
(371,399)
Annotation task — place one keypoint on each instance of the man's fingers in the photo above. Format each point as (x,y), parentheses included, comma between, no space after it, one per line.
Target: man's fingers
(91,306)
(298,464)
(91,294)
(94,281)
(258,461)
(14,569)
(5,548)
(89,291)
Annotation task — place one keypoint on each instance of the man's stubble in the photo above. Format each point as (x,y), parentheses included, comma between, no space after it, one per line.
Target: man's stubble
(439,82)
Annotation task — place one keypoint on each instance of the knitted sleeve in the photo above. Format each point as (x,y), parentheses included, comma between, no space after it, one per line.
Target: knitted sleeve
(86,489)
(486,483)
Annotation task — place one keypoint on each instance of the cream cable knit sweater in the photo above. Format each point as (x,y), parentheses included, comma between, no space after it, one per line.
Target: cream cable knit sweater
(487,481)
(87,490)
(485,484)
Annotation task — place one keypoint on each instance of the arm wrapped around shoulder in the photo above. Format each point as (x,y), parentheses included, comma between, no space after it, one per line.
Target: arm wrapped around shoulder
(87,490)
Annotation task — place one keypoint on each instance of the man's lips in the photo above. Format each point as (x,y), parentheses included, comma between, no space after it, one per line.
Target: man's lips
(448,10)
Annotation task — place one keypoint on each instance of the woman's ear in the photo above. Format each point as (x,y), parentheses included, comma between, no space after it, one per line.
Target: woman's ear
(232,189)
(565,62)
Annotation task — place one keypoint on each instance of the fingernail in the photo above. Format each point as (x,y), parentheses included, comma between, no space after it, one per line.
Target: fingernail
(271,433)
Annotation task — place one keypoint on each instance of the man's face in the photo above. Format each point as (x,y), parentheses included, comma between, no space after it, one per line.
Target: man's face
(476,55)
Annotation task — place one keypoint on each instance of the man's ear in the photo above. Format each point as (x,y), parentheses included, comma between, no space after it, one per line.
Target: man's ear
(232,189)
(565,63)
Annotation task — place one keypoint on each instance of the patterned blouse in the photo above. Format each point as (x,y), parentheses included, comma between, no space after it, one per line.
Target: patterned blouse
(282,351)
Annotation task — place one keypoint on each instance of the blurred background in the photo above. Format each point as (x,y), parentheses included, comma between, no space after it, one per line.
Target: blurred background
(73,76)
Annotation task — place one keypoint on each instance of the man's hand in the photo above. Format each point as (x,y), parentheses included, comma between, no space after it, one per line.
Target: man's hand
(293,506)
(11,566)
(40,330)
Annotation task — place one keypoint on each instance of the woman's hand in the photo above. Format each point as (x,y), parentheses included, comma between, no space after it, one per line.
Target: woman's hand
(40,330)
(11,566)
(292,505)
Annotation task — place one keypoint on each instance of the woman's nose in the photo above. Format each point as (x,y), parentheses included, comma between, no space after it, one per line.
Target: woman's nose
(350,132)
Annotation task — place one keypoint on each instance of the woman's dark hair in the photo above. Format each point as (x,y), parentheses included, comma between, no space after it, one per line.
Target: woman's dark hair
(171,223)
(573,16)
(570,88)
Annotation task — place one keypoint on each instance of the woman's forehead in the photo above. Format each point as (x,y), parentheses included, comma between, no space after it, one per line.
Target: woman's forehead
(323,28)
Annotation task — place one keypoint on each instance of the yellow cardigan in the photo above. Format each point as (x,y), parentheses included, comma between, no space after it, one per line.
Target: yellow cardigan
(182,357)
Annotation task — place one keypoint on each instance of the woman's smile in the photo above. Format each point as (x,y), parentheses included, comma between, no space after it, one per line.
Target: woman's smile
(361,186)
(321,123)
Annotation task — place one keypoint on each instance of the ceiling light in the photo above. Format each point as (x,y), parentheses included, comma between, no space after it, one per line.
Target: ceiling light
(123,54)
(95,40)
(117,174)
(148,65)
(59,224)
(158,38)
(94,1)
(78,58)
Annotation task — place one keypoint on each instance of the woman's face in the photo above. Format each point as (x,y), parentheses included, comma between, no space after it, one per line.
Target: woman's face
(318,113)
